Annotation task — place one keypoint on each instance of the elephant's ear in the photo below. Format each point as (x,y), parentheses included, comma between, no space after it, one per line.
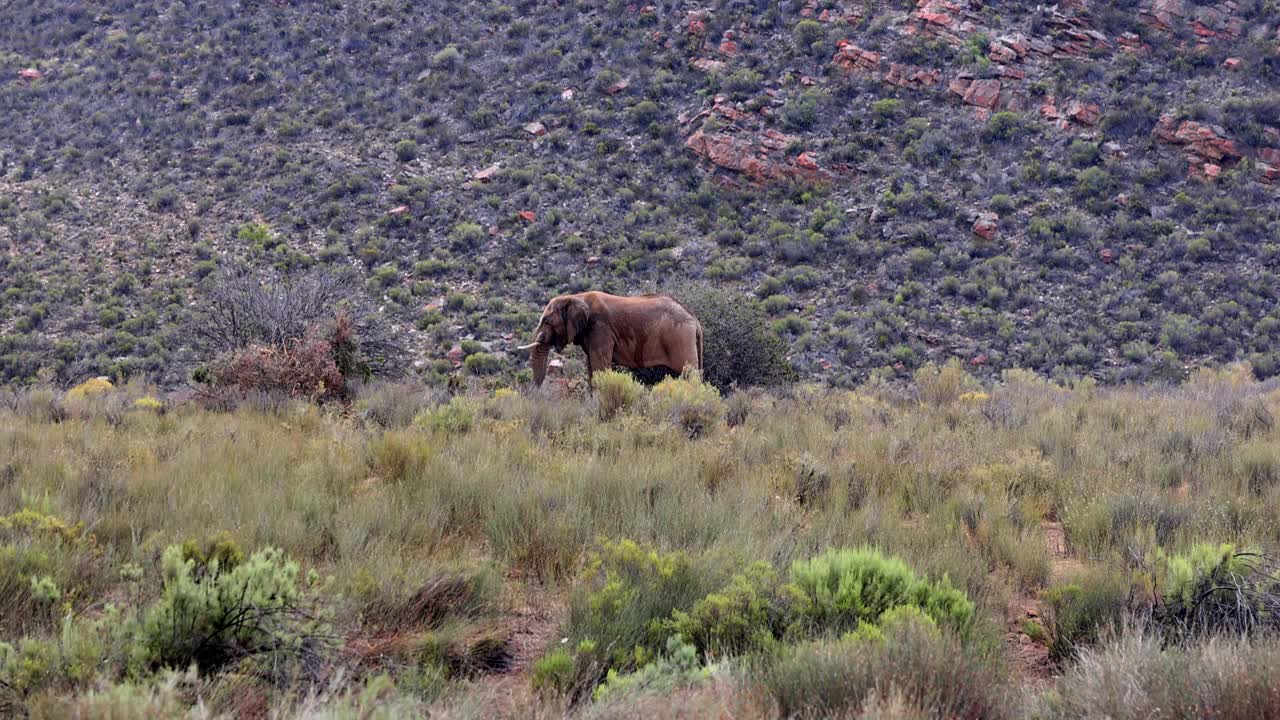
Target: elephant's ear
(577,316)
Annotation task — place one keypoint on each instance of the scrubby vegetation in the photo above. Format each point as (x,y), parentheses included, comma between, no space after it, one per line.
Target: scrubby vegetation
(952,548)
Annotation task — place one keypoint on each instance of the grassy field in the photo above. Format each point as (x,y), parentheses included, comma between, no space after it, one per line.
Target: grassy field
(942,550)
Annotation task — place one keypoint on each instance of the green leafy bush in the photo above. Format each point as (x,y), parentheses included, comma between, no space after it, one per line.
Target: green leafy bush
(742,617)
(216,611)
(675,668)
(456,416)
(838,590)
(618,610)
(738,347)
(1215,589)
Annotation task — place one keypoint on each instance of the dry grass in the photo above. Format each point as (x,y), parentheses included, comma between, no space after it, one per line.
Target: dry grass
(409,517)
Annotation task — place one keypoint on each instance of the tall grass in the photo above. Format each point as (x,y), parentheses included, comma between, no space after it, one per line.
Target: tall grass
(519,490)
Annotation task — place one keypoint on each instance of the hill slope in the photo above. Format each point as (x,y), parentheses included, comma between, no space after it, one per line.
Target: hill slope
(1079,189)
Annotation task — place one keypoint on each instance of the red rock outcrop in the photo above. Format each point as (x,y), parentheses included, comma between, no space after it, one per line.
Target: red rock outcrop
(910,76)
(850,58)
(986,225)
(743,146)
(983,93)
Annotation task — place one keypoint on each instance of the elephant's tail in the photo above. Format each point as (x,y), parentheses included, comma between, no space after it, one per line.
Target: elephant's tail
(700,368)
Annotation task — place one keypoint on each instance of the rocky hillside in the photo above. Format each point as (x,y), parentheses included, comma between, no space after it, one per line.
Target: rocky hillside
(1084,188)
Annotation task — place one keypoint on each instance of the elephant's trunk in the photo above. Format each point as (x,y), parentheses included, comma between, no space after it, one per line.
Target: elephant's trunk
(539,362)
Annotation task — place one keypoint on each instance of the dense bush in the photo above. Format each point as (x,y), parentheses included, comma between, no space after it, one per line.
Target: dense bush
(738,347)
(1215,589)
(842,589)
(214,610)
(1078,612)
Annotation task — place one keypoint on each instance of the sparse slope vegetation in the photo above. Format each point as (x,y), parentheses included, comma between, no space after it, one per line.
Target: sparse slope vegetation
(1079,189)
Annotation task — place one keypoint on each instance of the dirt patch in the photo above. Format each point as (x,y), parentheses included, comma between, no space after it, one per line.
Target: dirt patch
(1029,660)
(532,626)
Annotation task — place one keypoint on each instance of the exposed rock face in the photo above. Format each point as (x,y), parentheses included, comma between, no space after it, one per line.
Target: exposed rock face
(743,146)
(1208,148)
(850,57)
(983,93)
(910,76)
(1207,142)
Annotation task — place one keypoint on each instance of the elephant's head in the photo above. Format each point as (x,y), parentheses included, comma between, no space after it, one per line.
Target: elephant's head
(565,318)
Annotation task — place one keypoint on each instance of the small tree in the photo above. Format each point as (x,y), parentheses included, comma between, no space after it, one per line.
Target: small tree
(738,346)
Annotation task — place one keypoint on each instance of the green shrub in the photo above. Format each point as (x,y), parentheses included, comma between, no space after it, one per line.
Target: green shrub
(482,363)
(1076,613)
(619,608)
(616,392)
(944,385)
(217,611)
(739,618)
(677,667)
(691,404)
(1215,589)
(838,590)
(406,150)
(738,348)
(554,673)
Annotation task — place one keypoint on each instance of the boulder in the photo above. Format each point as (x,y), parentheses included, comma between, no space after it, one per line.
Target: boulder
(850,57)
(618,87)
(909,76)
(707,65)
(400,210)
(528,215)
(1086,114)
(983,93)
(30,74)
(536,129)
(986,225)
(486,174)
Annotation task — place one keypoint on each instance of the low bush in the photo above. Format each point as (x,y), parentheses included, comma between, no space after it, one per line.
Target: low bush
(217,609)
(926,673)
(455,417)
(677,667)
(619,608)
(1078,612)
(46,568)
(1213,589)
(616,392)
(842,589)
(695,407)
(744,616)
(1140,677)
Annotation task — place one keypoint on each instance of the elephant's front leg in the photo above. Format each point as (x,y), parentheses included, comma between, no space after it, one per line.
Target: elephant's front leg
(599,359)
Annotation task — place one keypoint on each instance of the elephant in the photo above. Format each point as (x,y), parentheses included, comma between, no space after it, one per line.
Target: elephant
(643,331)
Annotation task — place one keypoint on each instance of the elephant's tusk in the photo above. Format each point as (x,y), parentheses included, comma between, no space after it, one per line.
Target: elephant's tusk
(530,346)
